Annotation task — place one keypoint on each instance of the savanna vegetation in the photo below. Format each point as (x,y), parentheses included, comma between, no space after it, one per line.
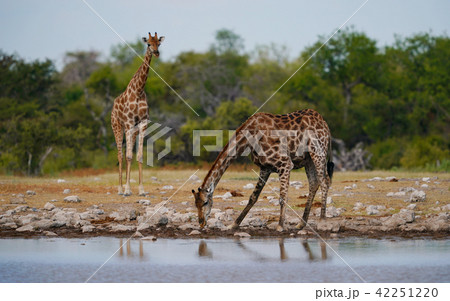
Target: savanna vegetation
(393,99)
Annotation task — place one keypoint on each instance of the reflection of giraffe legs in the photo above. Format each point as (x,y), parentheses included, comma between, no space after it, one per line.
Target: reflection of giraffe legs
(323,250)
(283,254)
(128,248)
(141,249)
(121,247)
(203,250)
(263,176)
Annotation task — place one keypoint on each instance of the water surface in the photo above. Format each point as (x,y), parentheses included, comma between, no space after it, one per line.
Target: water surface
(224,260)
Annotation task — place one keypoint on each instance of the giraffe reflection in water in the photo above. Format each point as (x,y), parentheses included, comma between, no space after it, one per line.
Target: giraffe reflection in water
(129,251)
(203,251)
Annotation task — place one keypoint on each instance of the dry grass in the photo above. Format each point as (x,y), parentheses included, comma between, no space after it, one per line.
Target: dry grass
(101,189)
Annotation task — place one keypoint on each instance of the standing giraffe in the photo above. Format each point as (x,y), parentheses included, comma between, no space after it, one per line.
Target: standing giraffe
(278,143)
(130,110)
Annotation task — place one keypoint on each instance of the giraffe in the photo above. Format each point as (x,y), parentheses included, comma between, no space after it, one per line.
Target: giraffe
(277,143)
(130,110)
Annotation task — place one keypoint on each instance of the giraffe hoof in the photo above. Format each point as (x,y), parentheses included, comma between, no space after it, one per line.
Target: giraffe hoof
(233,227)
(127,193)
(143,193)
(300,226)
(280,228)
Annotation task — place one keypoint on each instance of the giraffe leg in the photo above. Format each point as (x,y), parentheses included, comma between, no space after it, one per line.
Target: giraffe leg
(129,156)
(284,188)
(118,134)
(142,128)
(313,186)
(320,163)
(263,176)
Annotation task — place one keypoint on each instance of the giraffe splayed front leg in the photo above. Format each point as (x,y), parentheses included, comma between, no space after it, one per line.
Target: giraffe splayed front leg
(263,176)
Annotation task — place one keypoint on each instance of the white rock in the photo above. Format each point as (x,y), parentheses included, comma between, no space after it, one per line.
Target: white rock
(143,226)
(243,203)
(184,203)
(144,202)
(370,186)
(194,232)
(167,187)
(296,184)
(374,179)
(407,189)
(61,181)
(411,206)
(122,228)
(31,192)
(225,196)
(426,179)
(249,186)
(329,200)
(242,234)
(424,186)
(407,215)
(154,178)
(66,191)
(354,186)
(274,202)
(151,237)
(418,196)
(72,199)
(138,234)
(50,233)
(214,223)
(26,228)
(229,211)
(44,224)
(348,188)
(187,226)
(391,178)
(372,210)
(194,178)
(49,206)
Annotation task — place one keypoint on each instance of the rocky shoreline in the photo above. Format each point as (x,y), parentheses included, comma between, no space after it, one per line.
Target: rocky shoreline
(162,221)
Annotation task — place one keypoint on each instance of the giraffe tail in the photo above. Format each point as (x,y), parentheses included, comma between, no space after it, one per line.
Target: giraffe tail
(330,164)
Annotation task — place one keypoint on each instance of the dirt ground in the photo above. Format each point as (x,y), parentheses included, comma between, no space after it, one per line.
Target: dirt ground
(173,187)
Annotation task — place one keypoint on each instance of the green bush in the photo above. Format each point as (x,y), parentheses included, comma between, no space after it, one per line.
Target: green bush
(425,152)
(387,153)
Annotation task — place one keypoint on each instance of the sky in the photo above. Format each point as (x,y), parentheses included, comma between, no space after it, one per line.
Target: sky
(50,28)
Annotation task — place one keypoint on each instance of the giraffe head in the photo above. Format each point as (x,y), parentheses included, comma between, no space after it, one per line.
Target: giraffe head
(153,43)
(203,202)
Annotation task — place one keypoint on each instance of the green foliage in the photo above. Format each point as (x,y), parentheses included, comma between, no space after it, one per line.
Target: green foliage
(395,99)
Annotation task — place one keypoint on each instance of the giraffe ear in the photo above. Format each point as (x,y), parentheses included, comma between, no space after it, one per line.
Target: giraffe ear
(144,39)
(161,39)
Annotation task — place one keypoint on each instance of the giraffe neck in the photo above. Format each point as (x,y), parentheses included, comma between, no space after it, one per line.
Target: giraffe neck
(139,79)
(231,151)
